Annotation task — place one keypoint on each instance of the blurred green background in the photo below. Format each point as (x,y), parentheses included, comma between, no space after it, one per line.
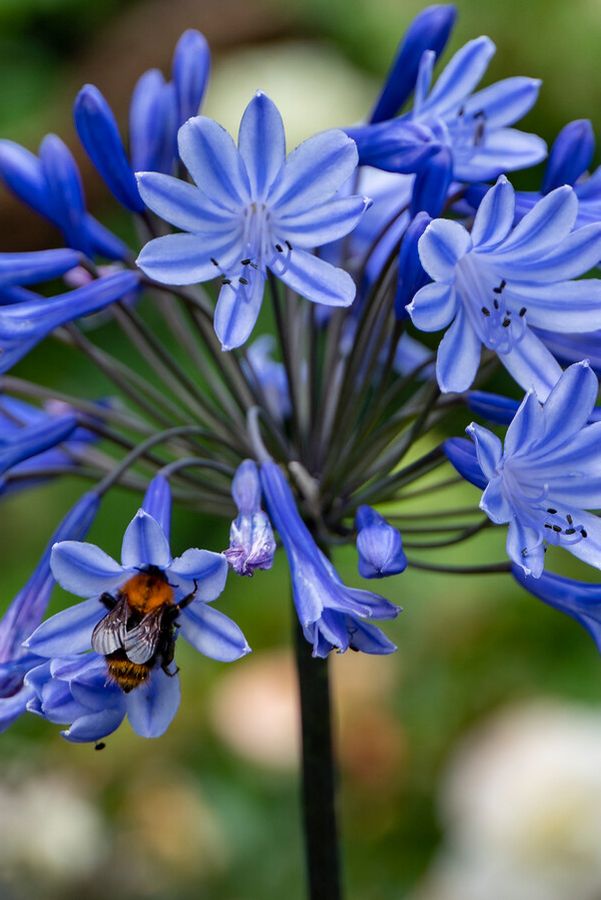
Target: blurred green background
(210,810)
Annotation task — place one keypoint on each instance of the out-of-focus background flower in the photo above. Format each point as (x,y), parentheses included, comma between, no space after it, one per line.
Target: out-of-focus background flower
(471,760)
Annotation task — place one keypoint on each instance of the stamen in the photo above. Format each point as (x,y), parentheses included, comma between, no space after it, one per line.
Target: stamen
(279,248)
(553,512)
(243,280)
(522,312)
(485,311)
(214,261)
(245,262)
(501,287)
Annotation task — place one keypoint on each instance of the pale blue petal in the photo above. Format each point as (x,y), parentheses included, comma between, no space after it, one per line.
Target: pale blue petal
(580,456)
(527,427)
(262,144)
(321,224)
(570,306)
(569,405)
(494,218)
(94,726)
(532,365)
(314,171)
(578,253)
(433,307)
(188,258)
(458,356)
(589,548)
(212,633)
(207,568)
(212,159)
(182,204)
(504,102)
(314,278)
(488,448)
(441,246)
(368,638)
(525,548)
(85,570)
(494,503)
(460,76)
(543,228)
(144,543)
(152,706)
(69,631)
(237,309)
(503,150)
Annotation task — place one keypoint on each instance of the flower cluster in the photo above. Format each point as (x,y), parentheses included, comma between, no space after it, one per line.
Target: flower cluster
(424,269)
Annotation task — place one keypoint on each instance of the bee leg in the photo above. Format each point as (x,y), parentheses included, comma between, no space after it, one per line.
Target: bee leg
(165,668)
(183,603)
(108,600)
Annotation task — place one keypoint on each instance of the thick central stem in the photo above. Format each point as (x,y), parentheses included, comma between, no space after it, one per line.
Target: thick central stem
(318,774)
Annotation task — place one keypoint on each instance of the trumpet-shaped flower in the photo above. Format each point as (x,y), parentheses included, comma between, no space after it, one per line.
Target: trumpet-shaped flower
(495,285)
(253,209)
(188,584)
(331,614)
(547,474)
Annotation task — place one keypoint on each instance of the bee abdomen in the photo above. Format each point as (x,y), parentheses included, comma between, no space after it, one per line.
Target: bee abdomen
(126,674)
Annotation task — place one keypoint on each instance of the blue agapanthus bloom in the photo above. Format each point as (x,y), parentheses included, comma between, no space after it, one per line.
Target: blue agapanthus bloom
(475,127)
(135,609)
(494,285)
(253,209)
(252,545)
(547,473)
(332,615)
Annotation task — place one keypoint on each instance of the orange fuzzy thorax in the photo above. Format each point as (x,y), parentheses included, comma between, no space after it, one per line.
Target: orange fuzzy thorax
(147,591)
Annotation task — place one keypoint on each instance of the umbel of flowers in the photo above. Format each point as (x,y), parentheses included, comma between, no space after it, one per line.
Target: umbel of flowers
(402,269)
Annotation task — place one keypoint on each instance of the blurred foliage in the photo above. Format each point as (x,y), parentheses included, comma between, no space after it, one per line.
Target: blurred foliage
(188,816)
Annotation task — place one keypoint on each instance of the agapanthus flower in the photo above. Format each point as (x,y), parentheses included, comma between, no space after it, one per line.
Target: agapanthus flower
(252,545)
(253,209)
(26,611)
(475,127)
(142,605)
(332,615)
(547,473)
(493,286)
(379,545)
(51,185)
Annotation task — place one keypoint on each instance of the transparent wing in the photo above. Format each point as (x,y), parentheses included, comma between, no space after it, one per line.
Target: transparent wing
(141,642)
(109,634)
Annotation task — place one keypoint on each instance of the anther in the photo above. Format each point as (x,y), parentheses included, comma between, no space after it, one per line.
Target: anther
(506,322)
(583,533)
(279,248)
(570,531)
(552,511)
(501,287)
(495,303)
(485,311)
(569,519)
(523,312)
(557,528)
(288,244)
(245,262)
(214,261)
(243,280)
(226,281)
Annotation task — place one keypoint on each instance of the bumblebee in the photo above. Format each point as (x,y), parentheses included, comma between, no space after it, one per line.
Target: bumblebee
(138,633)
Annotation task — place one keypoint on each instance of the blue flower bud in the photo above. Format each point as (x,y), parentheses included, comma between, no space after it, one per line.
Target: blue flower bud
(252,545)
(65,191)
(461,453)
(99,134)
(494,407)
(394,146)
(157,502)
(190,73)
(429,30)
(412,276)
(39,265)
(432,184)
(379,545)
(570,155)
(153,124)
(36,438)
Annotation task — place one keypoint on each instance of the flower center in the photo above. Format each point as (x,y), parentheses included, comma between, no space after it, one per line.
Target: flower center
(499,324)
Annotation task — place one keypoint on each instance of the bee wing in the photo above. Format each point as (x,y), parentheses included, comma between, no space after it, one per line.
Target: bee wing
(140,644)
(109,634)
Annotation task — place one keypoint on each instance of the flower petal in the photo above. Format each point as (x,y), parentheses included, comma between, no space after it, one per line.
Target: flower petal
(433,307)
(182,204)
(262,143)
(527,427)
(368,638)
(532,365)
(504,102)
(460,76)
(207,568)
(525,548)
(589,548)
(543,228)
(571,306)
(314,171)
(152,706)
(322,224)
(144,543)
(94,726)
(575,255)
(458,356)
(84,569)
(188,258)
(488,448)
(569,405)
(237,309)
(441,246)
(212,633)
(494,503)
(68,632)
(493,221)
(212,159)
(503,150)
(314,278)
